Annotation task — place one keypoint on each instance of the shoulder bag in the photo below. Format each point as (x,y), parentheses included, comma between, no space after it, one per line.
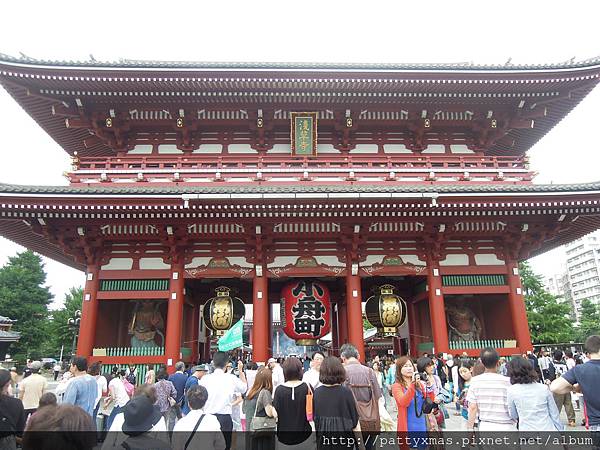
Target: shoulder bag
(368,412)
(309,404)
(264,425)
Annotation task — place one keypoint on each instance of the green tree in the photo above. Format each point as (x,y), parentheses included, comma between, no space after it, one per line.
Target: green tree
(60,334)
(24,297)
(549,319)
(589,323)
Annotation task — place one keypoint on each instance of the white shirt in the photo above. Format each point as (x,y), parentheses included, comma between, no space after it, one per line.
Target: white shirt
(213,439)
(311,376)
(570,363)
(490,391)
(119,393)
(221,386)
(102,387)
(277,376)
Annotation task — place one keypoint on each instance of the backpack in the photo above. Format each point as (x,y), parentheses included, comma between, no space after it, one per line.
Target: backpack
(129,388)
(550,373)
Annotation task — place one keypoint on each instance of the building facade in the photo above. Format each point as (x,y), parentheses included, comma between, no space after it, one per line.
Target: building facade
(188,177)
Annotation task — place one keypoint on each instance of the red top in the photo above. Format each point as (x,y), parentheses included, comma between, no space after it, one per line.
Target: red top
(403,398)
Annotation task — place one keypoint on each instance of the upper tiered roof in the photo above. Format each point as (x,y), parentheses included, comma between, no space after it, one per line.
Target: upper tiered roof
(496,109)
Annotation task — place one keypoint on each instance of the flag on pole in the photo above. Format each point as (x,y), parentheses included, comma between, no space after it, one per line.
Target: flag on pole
(232,339)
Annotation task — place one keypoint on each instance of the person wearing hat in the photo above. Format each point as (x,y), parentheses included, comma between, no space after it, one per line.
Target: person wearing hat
(140,418)
(197,373)
(32,388)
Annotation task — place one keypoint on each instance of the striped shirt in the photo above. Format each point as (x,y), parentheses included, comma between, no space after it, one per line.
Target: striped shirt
(489,392)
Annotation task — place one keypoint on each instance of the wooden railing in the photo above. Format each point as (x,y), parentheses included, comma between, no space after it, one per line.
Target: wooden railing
(129,351)
(494,343)
(287,168)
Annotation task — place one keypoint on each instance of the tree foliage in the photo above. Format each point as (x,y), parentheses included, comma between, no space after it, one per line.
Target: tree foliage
(589,323)
(60,334)
(24,297)
(549,319)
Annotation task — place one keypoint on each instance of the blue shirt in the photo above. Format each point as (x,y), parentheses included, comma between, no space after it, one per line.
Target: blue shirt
(534,407)
(587,376)
(191,381)
(178,379)
(82,391)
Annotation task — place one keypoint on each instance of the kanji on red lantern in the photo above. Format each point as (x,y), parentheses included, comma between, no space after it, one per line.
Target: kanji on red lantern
(305,311)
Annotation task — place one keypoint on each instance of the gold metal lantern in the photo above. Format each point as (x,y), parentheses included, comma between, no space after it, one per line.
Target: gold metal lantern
(385,310)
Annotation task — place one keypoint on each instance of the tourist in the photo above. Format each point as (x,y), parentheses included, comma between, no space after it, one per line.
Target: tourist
(530,403)
(56,370)
(409,392)
(131,374)
(289,401)
(557,368)
(166,397)
(465,374)
(545,363)
(197,373)
(378,375)
(64,427)
(117,395)
(362,382)
(277,371)
(441,396)
(334,408)
(117,436)
(14,380)
(197,420)
(311,376)
(306,363)
(250,372)
(83,389)
(13,413)
(101,384)
(48,399)
(221,386)
(140,419)
(487,396)
(584,378)
(503,369)
(178,379)
(150,377)
(32,388)
(259,403)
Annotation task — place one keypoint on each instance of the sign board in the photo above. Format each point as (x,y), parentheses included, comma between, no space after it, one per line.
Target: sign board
(232,339)
(304,133)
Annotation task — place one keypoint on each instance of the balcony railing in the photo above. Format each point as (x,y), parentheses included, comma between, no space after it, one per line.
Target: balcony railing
(129,351)
(244,168)
(495,343)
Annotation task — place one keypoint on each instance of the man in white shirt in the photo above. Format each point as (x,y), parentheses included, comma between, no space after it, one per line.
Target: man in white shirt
(487,396)
(221,387)
(185,431)
(277,376)
(311,376)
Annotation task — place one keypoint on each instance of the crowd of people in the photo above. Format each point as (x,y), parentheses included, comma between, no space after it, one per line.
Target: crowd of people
(284,401)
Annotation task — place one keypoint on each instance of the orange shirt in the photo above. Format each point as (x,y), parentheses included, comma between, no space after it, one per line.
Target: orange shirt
(403,398)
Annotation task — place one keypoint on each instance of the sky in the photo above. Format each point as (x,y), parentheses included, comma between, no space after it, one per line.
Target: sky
(307,31)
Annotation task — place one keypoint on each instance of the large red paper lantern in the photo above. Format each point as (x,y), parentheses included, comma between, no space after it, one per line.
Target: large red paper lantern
(305,311)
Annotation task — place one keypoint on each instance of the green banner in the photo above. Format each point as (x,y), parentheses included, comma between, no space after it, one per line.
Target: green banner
(232,339)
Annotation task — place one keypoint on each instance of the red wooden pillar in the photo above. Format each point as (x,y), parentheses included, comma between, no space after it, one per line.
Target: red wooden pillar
(335,343)
(260,318)
(437,311)
(195,331)
(354,311)
(174,315)
(517,307)
(342,323)
(89,312)
(413,328)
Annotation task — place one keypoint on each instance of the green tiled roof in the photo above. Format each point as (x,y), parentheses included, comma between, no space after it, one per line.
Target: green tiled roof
(299,188)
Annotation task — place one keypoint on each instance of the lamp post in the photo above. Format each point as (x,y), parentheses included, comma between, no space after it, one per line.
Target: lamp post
(73,324)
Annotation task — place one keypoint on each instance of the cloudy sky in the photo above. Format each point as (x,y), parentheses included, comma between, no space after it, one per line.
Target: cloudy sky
(319,31)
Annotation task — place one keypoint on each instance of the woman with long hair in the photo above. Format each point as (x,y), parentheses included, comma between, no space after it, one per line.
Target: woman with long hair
(259,403)
(410,394)
(11,409)
(334,407)
(530,402)
(465,373)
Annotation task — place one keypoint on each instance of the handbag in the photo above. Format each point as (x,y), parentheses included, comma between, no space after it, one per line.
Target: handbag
(368,412)
(309,404)
(262,425)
